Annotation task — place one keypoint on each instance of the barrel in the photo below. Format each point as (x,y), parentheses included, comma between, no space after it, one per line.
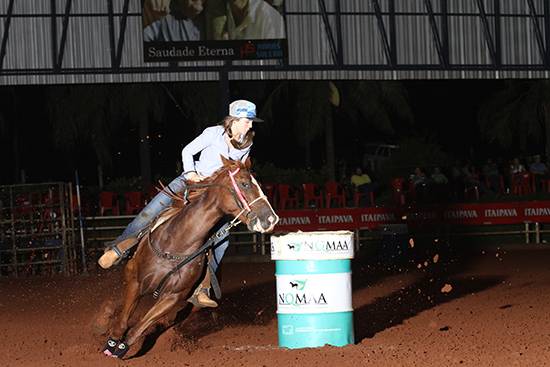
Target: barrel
(313,276)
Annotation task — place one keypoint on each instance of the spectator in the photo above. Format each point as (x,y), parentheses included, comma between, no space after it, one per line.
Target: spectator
(438,177)
(440,182)
(418,177)
(539,170)
(457,180)
(516,167)
(472,182)
(538,167)
(419,182)
(492,175)
(515,171)
(361,182)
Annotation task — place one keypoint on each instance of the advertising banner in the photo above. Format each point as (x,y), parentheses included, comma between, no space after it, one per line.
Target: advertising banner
(314,293)
(313,245)
(454,214)
(186,30)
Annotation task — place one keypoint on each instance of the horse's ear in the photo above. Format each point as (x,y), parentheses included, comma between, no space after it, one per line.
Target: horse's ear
(248,163)
(225,161)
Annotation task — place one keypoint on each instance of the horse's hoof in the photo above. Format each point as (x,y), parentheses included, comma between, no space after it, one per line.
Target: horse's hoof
(121,350)
(110,347)
(115,349)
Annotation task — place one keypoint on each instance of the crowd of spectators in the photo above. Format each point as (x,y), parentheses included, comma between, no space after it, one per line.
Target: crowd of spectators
(492,178)
(462,181)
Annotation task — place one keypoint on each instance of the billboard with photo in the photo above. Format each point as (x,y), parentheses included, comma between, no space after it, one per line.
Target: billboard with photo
(185,30)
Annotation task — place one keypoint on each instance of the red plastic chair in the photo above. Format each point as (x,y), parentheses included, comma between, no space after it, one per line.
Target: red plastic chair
(398,187)
(334,192)
(491,185)
(311,194)
(471,192)
(108,201)
(286,197)
(133,202)
(523,183)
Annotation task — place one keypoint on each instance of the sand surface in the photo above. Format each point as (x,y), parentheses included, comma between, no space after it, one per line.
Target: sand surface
(481,308)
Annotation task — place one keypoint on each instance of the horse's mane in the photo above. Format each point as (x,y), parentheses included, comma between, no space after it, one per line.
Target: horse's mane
(195,191)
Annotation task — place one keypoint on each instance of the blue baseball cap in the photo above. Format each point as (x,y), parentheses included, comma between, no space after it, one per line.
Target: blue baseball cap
(243,108)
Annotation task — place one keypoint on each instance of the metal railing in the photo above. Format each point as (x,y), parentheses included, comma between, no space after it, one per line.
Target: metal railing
(37,233)
(246,246)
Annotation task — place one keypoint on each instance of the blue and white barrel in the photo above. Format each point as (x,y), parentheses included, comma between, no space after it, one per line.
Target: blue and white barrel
(313,274)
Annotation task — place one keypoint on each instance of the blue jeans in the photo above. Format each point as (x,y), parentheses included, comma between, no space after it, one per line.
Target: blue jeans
(160,202)
(219,251)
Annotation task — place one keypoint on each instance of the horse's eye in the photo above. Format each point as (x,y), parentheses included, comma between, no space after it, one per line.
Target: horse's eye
(245,185)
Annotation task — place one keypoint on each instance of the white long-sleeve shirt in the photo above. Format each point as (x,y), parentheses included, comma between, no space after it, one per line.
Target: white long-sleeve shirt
(211,144)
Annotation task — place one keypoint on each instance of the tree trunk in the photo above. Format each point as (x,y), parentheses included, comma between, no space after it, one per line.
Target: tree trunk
(329,145)
(307,153)
(144,153)
(100,176)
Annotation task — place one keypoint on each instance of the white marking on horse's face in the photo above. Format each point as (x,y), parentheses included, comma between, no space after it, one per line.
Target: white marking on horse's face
(272,219)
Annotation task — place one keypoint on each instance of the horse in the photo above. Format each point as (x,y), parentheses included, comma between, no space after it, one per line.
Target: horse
(230,191)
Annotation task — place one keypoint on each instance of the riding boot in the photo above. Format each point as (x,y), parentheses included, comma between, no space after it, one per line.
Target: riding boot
(201,295)
(115,253)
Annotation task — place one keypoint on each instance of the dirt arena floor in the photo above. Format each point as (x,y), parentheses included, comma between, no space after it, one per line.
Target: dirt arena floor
(479,308)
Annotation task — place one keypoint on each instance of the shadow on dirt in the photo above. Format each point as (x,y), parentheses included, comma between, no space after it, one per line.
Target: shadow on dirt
(438,262)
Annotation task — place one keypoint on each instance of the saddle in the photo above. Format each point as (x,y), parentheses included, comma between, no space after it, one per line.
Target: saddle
(116,252)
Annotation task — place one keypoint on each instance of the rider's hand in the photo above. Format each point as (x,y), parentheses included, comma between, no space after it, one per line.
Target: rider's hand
(194,177)
(162,6)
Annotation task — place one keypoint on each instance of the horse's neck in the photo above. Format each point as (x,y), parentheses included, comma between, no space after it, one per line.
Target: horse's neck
(203,211)
(194,222)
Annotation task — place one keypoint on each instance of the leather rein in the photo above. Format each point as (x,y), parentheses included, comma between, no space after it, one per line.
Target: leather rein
(220,234)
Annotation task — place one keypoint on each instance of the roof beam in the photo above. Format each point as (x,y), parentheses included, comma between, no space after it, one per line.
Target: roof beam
(383,34)
(441,52)
(538,33)
(487,32)
(7,23)
(328,30)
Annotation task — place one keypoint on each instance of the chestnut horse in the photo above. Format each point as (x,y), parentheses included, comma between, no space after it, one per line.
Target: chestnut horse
(232,191)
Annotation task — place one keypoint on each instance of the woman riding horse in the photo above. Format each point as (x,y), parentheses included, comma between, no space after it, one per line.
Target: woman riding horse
(232,139)
(170,258)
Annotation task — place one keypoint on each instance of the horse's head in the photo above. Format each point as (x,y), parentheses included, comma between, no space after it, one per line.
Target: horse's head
(244,198)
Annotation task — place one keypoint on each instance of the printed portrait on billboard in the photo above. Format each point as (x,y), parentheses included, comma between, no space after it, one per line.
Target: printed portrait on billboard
(182,26)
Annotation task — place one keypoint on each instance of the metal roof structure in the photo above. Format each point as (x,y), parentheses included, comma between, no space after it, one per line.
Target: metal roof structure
(99,41)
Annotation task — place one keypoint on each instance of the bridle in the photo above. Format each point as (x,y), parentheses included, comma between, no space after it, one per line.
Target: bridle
(215,238)
(238,195)
(244,204)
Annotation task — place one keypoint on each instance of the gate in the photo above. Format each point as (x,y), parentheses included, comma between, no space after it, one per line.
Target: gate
(37,232)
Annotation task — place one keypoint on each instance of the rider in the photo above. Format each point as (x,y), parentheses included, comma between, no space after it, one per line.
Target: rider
(233,139)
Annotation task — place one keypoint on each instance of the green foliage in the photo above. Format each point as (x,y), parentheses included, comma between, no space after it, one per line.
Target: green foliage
(121,185)
(268,172)
(517,115)
(413,152)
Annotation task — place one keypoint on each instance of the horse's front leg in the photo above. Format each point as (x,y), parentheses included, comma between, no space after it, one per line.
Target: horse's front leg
(131,298)
(160,309)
